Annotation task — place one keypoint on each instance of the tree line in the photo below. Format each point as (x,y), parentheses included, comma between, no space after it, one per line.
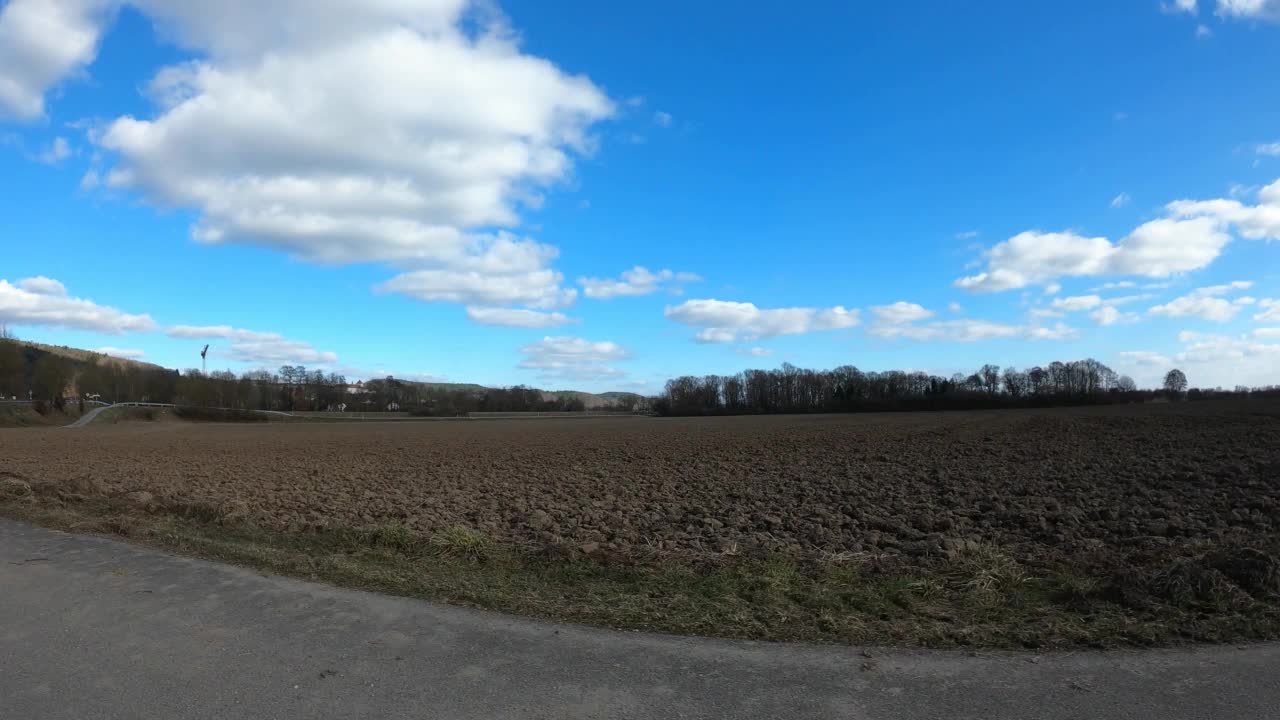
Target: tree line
(50,380)
(791,389)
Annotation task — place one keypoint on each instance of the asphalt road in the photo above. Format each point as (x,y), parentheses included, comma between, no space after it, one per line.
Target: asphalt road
(88,417)
(95,628)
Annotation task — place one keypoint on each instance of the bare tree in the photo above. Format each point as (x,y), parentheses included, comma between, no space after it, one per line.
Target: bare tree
(1175,382)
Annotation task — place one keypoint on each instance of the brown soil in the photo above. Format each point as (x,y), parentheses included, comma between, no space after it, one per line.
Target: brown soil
(1176,503)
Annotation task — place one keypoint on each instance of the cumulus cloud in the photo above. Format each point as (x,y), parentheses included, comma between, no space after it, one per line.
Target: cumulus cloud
(1058,331)
(44,301)
(1268,310)
(41,43)
(41,285)
(538,289)
(1076,303)
(573,358)
(723,321)
(1190,238)
(900,312)
(57,151)
(1253,222)
(1250,9)
(955,307)
(1211,360)
(1116,285)
(1205,303)
(636,281)
(1144,357)
(388,131)
(946,331)
(253,347)
(1109,315)
(516,317)
(126,353)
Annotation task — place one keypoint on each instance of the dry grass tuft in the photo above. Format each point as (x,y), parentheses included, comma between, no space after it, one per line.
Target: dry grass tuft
(463,543)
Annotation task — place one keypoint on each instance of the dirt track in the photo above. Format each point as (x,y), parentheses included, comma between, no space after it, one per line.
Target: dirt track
(1038,483)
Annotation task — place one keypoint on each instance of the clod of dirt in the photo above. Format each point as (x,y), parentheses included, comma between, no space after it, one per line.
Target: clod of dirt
(14,488)
(140,497)
(1253,570)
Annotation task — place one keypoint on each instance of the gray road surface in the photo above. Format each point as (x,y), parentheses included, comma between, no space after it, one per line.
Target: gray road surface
(88,417)
(95,628)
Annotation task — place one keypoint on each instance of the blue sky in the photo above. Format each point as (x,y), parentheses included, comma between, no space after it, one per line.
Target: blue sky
(602,196)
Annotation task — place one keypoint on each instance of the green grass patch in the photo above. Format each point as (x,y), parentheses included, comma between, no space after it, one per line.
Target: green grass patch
(981,598)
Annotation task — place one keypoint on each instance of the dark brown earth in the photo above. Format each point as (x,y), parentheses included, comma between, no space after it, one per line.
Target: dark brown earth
(1164,514)
(1041,482)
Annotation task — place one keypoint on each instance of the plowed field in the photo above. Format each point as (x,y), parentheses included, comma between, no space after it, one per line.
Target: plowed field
(1121,493)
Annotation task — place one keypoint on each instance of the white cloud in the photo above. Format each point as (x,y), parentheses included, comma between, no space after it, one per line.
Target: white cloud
(1269,310)
(1246,300)
(1076,303)
(967,235)
(1052,288)
(900,312)
(199,331)
(538,289)
(45,302)
(1221,360)
(663,119)
(1272,149)
(253,347)
(947,331)
(41,285)
(126,353)
(1120,200)
(1187,6)
(573,358)
(1109,315)
(57,151)
(41,43)
(1059,331)
(1126,299)
(1203,31)
(1204,303)
(636,281)
(1115,285)
(1267,333)
(387,131)
(1144,357)
(1250,9)
(516,317)
(1253,222)
(955,307)
(1158,248)
(757,352)
(724,321)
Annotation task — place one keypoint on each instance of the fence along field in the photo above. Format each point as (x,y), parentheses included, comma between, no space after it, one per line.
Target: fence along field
(1125,524)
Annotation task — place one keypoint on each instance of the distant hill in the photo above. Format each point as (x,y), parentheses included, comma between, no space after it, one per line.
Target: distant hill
(80,356)
(84,356)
